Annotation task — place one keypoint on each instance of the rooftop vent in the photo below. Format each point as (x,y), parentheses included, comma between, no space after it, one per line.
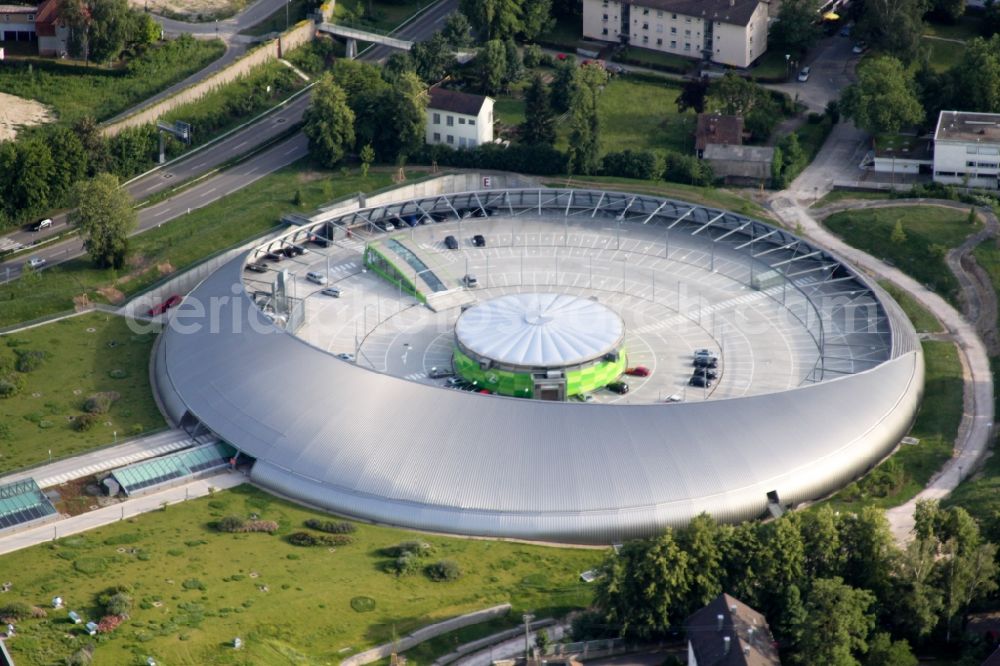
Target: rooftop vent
(726,641)
(719,620)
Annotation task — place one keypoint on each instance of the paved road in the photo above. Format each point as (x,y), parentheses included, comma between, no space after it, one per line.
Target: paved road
(103,459)
(46,532)
(975,431)
(210,189)
(832,64)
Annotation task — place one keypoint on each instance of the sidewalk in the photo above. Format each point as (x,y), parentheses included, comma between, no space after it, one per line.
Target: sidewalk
(112,514)
(510,648)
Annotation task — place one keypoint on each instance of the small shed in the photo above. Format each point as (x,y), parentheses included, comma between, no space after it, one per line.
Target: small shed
(743,165)
(92,628)
(74,617)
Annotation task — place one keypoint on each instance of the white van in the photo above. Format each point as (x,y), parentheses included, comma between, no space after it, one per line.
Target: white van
(43,224)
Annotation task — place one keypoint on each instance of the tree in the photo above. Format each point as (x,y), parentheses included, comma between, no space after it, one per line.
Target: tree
(883,98)
(966,574)
(700,541)
(432,59)
(396,65)
(31,188)
(737,96)
(948,11)
(838,623)
(536,18)
(913,605)
(76,18)
(563,83)
(457,31)
(790,621)
(898,236)
(109,29)
(642,583)
(491,62)
(104,217)
(131,150)
(893,26)
(870,551)
(95,146)
(494,18)
(821,540)
(783,560)
(539,123)
(409,108)
(883,651)
(693,94)
(514,66)
(367,157)
(72,163)
(741,547)
(584,139)
(975,79)
(795,30)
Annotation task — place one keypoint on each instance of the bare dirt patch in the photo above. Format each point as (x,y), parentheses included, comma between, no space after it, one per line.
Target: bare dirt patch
(112,295)
(192,10)
(17,112)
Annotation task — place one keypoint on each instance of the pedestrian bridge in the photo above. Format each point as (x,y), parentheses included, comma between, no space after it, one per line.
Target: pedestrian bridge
(354,35)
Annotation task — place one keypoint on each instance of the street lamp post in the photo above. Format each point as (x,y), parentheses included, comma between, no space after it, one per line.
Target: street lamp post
(788,71)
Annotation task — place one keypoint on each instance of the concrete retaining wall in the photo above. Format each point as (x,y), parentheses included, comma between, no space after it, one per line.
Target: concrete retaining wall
(425,634)
(297,36)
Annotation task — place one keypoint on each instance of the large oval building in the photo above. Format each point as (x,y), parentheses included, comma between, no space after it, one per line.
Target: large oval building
(368,438)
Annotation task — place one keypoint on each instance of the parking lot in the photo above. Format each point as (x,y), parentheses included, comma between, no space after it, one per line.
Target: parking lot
(676,293)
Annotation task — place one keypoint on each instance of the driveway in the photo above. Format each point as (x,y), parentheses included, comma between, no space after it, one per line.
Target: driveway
(832,64)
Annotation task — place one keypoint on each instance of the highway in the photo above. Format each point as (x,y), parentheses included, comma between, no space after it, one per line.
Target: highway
(203,161)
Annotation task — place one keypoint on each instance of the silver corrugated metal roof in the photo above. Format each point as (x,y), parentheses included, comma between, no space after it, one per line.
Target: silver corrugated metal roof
(540,330)
(396,451)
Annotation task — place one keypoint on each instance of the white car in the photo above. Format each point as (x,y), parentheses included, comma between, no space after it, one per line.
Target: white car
(331,291)
(676,397)
(804,74)
(316,278)
(704,353)
(35,262)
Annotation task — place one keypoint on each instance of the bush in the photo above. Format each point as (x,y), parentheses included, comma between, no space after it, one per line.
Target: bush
(266,526)
(540,159)
(193,584)
(641,164)
(90,565)
(331,527)
(82,657)
(686,169)
(14,611)
(404,565)
(109,623)
(532,56)
(29,361)
(416,548)
(445,570)
(119,603)
(10,386)
(84,422)
(230,524)
(306,539)
(100,403)
(363,604)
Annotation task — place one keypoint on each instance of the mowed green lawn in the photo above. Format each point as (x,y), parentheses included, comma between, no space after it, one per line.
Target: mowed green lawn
(642,115)
(83,355)
(182,242)
(930,231)
(923,320)
(943,54)
(197,589)
(75,91)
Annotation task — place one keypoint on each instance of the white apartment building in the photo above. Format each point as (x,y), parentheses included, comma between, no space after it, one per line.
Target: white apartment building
(729,32)
(967,149)
(458,119)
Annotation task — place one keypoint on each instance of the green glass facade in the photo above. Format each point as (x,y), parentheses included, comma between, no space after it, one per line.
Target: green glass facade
(522,384)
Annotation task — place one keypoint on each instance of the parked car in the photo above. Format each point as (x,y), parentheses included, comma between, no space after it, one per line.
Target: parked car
(42,224)
(439,217)
(561,56)
(344,356)
(479,240)
(454,382)
(34,262)
(621,388)
(699,381)
(470,281)
(846,31)
(440,373)
(703,352)
(707,373)
(804,74)
(164,306)
(297,249)
(676,397)
(257,267)
(331,291)
(451,243)
(638,371)
(319,240)
(859,48)
(706,362)
(316,277)
(274,256)
(584,397)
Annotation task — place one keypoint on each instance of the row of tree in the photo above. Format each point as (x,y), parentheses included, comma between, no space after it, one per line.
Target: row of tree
(100,30)
(824,580)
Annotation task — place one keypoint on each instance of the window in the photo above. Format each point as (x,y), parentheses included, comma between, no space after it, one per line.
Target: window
(461,141)
(472,143)
(659,13)
(645,39)
(437,137)
(604,31)
(605,18)
(645,26)
(687,19)
(687,33)
(673,31)
(687,46)
(645,12)
(451,121)
(472,121)
(673,16)
(659,41)
(451,139)
(461,121)
(673,44)
(437,118)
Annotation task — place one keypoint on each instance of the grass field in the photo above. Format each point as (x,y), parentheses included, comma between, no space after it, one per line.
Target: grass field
(988,256)
(75,92)
(965,28)
(182,242)
(706,196)
(567,32)
(387,15)
(930,231)
(197,589)
(772,65)
(83,355)
(943,54)
(658,58)
(923,320)
(836,196)
(297,10)
(936,427)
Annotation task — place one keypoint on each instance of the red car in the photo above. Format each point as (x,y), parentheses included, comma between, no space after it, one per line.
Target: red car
(638,371)
(164,306)
(561,56)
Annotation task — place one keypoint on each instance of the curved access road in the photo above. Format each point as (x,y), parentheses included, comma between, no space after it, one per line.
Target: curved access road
(976,429)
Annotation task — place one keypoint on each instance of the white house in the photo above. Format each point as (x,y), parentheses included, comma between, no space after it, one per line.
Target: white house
(967,149)
(458,119)
(729,32)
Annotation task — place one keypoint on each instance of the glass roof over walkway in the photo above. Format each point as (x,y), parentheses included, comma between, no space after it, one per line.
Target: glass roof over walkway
(23,502)
(155,472)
